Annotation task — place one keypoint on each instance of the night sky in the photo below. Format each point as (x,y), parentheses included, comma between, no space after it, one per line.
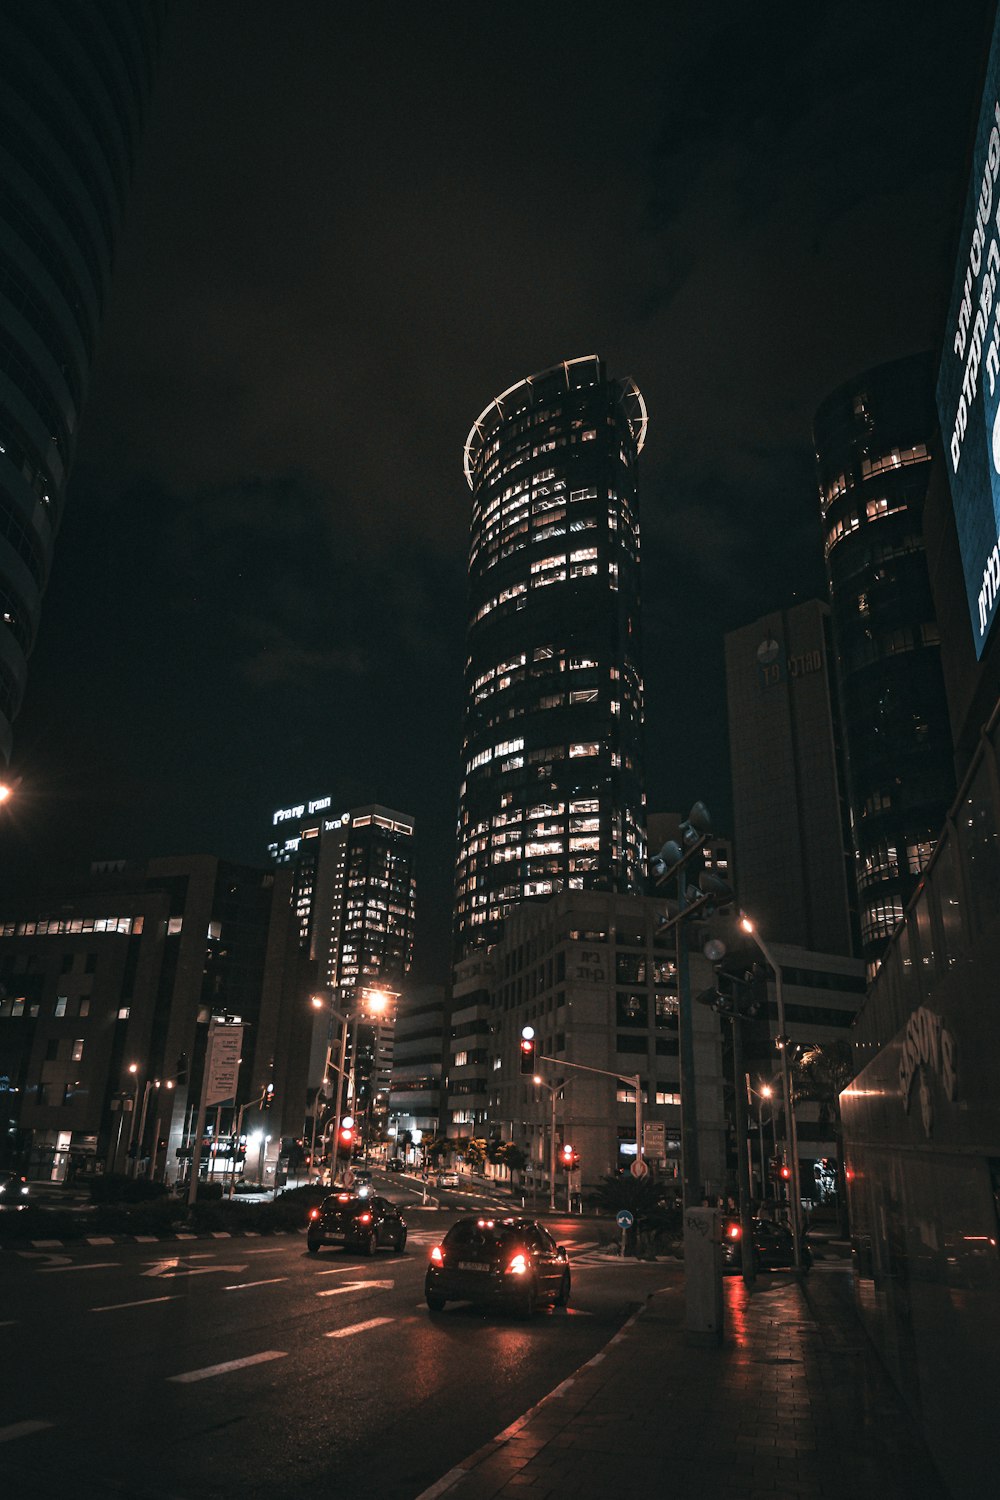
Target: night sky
(351,227)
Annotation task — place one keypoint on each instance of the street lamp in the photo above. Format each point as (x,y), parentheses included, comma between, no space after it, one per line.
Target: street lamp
(555,1089)
(764,1093)
(318,1002)
(781,1041)
(129,1160)
(151,1083)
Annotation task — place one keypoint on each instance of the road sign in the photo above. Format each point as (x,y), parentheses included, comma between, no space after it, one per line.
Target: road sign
(638,1167)
(624,1218)
(654,1138)
(223,1067)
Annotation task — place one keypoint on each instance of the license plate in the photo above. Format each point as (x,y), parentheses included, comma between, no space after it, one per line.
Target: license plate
(472,1265)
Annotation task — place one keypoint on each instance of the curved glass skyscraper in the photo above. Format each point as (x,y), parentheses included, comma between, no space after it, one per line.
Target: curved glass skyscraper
(873,453)
(73,82)
(552,792)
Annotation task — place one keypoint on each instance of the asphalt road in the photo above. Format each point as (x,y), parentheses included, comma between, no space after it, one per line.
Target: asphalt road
(246,1367)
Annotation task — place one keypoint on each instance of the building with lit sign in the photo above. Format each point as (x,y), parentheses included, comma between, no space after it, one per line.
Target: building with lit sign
(354,895)
(73,90)
(551,794)
(872,439)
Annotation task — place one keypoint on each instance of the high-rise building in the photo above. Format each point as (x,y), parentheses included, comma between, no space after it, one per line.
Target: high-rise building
(551,793)
(872,439)
(354,894)
(73,86)
(796,874)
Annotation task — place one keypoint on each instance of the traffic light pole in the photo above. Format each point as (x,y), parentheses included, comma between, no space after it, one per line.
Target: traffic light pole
(341,1068)
(633,1078)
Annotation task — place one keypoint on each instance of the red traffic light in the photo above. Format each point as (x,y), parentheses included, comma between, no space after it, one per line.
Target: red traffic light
(786,1173)
(566,1155)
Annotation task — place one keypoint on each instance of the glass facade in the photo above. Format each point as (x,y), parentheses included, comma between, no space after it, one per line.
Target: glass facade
(872,444)
(551,794)
(73,85)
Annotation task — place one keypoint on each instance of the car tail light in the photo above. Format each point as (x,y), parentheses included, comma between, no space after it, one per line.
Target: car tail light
(364,1218)
(436,1256)
(518,1266)
(314,1213)
(734,1231)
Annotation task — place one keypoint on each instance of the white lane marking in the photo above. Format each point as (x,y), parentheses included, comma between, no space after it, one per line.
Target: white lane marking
(167,1270)
(100,1239)
(241,1286)
(21,1429)
(336,1270)
(9,1323)
(352,1286)
(230,1364)
(143,1302)
(345,1333)
(97,1265)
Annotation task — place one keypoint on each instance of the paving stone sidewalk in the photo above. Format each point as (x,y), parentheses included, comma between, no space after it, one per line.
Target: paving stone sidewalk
(794,1404)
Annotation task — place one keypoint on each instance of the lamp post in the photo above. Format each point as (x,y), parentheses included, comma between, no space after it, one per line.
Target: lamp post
(318,1002)
(156,1139)
(555,1089)
(151,1083)
(129,1160)
(764,1092)
(781,1040)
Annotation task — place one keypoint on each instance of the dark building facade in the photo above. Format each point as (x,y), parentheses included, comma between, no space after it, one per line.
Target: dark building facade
(107,992)
(551,794)
(73,86)
(872,439)
(791,829)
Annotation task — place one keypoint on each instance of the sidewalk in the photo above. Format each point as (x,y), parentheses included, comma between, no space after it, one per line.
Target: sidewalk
(795,1403)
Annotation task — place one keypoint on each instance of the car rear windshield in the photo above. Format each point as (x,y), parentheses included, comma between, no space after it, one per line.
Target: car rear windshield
(488,1233)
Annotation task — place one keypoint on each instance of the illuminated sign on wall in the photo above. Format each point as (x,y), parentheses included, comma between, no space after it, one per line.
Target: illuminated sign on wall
(318,804)
(968,391)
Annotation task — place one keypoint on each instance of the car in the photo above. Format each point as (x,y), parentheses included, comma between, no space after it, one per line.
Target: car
(774,1248)
(394,1164)
(13,1190)
(448,1179)
(356,1223)
(507,1262)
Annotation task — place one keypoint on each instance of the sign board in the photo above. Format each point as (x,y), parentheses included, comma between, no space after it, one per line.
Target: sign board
(624,1218)
(968,389)
(223,1064)
(638,1167)
(654,1138)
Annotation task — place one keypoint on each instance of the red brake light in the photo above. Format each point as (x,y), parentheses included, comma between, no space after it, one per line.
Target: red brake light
(343,1197)
(734,1231)
(314,1213)
(518,1265)
(364,1218)
(436,1256)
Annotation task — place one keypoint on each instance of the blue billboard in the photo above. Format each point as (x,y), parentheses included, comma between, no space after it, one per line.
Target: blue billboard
(968,390)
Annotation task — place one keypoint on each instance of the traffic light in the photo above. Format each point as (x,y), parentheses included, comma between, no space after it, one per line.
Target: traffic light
(568,1158)
(527,1049)
(346,1132)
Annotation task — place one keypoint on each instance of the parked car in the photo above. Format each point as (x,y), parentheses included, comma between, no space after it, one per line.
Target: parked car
(394,1164)
(356,1223)
(511,1262)
(13,1190)
(774,1248)
(448,1179)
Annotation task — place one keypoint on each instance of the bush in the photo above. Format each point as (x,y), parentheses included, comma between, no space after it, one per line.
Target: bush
(117,1188)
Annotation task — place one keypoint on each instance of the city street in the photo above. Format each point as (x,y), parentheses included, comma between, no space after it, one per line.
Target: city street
(245,1366)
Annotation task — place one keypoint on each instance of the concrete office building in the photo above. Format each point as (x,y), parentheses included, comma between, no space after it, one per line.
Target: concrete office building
(551,795)
(791,825)
(74,82)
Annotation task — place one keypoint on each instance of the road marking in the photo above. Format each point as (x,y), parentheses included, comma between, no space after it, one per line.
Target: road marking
(241,1286)
(352,1286)
(21,1429)
(9,1323)
(100,1239)
(230,1364)
(336,1270)
(167,1270)
(345,1333)
(143,1302)
(97,1265)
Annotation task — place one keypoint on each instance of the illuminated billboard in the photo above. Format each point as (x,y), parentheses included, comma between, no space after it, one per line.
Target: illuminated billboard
(968,391)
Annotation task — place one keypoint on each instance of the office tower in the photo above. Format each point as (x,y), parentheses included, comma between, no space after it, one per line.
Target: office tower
(354,894)
(551,795)
(872,439)
(73,86)
(791,829)
(107,990)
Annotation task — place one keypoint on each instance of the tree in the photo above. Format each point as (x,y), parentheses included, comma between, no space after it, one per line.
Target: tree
(473,1153)
(820,1073)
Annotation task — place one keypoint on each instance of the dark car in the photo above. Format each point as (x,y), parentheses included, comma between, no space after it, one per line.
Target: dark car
(395,1164)
(13,1190)
(356,1223)
(774,1248)
(513,1262)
